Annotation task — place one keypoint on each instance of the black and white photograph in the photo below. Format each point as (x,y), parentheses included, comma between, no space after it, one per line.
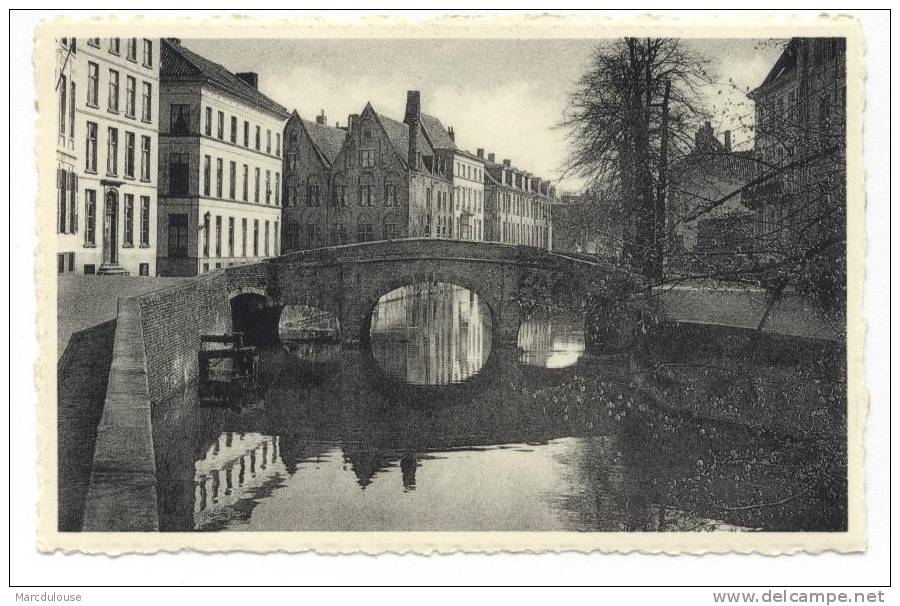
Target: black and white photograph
(513,290)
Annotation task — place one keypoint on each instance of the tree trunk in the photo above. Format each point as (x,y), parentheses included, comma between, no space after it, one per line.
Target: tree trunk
(659,233)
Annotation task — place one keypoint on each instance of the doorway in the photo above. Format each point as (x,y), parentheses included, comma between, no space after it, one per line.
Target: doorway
(110,228)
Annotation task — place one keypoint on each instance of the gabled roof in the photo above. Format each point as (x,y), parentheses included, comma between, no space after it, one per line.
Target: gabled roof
(436,133)
(398,134)
(328,140)
(180,64)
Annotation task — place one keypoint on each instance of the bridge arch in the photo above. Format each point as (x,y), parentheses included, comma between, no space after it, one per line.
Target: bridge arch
(369,300)
(254,314)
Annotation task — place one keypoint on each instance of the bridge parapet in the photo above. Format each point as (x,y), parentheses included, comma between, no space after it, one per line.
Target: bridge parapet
(348,280)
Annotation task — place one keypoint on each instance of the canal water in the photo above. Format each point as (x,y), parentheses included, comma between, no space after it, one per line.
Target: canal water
(433,427)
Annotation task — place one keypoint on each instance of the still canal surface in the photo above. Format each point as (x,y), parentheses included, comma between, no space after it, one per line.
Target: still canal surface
(430,428)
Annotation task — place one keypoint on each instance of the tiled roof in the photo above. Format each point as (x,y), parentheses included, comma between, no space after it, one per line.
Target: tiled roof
(398,133)
(327,139)
(436,132)
(179,63)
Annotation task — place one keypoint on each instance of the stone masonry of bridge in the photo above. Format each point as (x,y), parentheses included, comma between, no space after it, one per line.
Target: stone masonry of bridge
(349,280)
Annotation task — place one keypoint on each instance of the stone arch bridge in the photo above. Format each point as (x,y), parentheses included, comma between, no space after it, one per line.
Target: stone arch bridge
(348,281)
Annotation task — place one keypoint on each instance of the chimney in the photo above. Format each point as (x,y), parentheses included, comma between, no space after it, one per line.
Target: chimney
(491,157)
(412,119)
(251,78)
(413,107)
(351,122)
(480,152)
(322,119)
(507,163)
(728,141)
(451,133)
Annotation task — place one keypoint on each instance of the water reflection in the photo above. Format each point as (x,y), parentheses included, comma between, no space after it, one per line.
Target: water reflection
(552,338)
(431,334)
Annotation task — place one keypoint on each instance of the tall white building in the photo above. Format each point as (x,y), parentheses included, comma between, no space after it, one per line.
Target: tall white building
(106,147)
(220,166)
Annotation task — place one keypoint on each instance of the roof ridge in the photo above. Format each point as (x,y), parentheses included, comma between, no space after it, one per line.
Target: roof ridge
(220,76)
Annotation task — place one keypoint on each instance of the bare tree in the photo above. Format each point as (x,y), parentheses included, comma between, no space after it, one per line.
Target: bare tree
(630,112)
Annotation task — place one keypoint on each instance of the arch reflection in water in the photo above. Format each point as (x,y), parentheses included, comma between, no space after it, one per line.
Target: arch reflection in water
(551,338)
(431,333)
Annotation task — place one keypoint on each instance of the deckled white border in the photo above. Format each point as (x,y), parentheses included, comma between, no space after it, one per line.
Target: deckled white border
(451,26)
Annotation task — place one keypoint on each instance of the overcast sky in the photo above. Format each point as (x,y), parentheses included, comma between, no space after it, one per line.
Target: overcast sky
(502,95)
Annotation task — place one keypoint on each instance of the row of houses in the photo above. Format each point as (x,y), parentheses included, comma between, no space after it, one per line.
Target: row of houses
(170,164)
(375,178)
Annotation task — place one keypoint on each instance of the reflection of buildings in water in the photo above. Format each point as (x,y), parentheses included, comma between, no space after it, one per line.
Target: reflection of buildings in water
(551,340)
(234,466)
(431,334)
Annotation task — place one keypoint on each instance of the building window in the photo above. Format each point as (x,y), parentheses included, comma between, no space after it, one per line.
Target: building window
(115,46)
(130,92)
(390,195)
(179,119)
(256,185)
(178,235)
(266,239)
(131,49)
(275,235)
(278,144)
(207,129)
(207,168)
(90,217)
(63,104)
(90,160)
(268,141)
(365,232)
(62,190)
(113,91)
(90,269)
(129,154)
(179,173)
(95,42)
(292,233)
(257,137)
(128,221)
(365,195)
(313,235)
(246,134)
(243,237)
(255,237)
(340,195)
(112,152)
(143,269)
(268,187)
(220,125)
(93,84)
(234,129)
(312,194)
(148,53)
(145,220)
(232,179)
(244,184)
(218,177)
(145,158)
(392,231)
(230,236)
(277,189)
(147,102)
(218,235)
(206,235)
